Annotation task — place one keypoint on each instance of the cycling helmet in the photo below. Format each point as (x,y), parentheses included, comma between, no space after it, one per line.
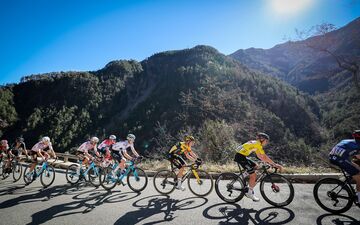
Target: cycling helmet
(356,134)
(46,139)
(4,142)
(131,137)
(20,139)
(112,137)
(94,139)
(189,138)
(262,136)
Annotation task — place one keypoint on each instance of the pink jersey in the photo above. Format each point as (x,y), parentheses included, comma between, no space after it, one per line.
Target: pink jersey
(86,147)
(41,146)
(106,144)
(4,148)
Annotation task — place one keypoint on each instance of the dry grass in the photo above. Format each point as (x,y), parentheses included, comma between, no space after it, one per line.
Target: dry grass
(156,165)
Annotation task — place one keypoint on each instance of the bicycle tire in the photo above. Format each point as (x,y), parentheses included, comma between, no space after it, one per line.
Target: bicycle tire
(161,181)
(130,181)
(229,179)
(94,176)
(1,166)
(27,179)
(72,175)
(203,177)
(17,169)
(326,183)
(49,171)
(276,181)
(105,179)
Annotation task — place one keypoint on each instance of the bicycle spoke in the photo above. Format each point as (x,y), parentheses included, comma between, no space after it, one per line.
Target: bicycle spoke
(229,187)
(276,190)
(137,180)
(164,181)
(200,182)
(333,195)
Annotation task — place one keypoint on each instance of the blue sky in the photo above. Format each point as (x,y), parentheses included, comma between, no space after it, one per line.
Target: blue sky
(62,35)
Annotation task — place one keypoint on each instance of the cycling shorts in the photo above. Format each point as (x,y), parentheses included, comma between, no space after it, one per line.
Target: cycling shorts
(344,164)
(177,160)
(245,162)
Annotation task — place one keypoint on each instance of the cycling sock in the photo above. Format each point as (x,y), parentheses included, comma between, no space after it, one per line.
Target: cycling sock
(358,194)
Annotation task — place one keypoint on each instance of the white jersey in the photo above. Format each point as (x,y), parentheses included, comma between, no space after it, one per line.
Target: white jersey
(41,146)
(122,146)
(86,147)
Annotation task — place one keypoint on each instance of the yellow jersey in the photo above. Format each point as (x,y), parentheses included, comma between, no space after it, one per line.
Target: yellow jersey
(251,146)
(180,148)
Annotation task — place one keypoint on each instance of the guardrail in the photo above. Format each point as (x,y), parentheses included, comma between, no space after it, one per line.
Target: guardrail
(66,156)
(66,159)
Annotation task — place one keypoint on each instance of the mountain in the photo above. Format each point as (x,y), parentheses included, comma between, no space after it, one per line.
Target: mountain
(309,70)
(197,90)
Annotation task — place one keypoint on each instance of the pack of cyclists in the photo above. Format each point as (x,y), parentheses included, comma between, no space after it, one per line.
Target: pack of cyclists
(341,155)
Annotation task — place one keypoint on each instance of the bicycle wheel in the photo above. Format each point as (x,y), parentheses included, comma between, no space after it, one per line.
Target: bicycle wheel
(200,182)
(164,181)
(72,174)
(230,187)
(107,181)
(16,171)
(94,176)
(137,179)
(1,165)
(333,195)
(28,176)
(277,190)
(5,172)
(47,176)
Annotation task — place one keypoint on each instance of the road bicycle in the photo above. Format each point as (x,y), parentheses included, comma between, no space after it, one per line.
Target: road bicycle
(334,195)
(136,177)
(76,172)
(15,169)
(276,189)
(199,181)
(46,173)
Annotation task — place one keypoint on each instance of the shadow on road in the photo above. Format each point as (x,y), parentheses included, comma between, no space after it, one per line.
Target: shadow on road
(159,204)
(234,214)
(336,220)
(82,203)
(36,195)
(70,208)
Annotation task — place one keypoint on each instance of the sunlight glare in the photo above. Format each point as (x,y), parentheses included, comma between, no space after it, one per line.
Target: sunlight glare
(289,7)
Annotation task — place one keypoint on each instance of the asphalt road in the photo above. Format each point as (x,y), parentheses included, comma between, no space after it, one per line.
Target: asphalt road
(82,204)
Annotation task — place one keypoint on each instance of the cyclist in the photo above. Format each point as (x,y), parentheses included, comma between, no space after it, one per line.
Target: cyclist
(16,149)
(87,150)
(4,147)
(341,156)
(104,147)
(250,166)
(41,149)
(177,154)
(120,154)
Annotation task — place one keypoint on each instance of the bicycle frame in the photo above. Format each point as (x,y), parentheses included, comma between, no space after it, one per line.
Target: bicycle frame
(264,172)
(91,166)
(131,167)
(192,168)
(44,166)
(347,182)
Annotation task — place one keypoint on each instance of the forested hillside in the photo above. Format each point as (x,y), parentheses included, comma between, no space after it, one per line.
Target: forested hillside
(196,90)
(312,65)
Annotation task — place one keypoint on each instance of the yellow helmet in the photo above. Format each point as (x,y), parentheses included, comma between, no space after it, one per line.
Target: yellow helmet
(189,138)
